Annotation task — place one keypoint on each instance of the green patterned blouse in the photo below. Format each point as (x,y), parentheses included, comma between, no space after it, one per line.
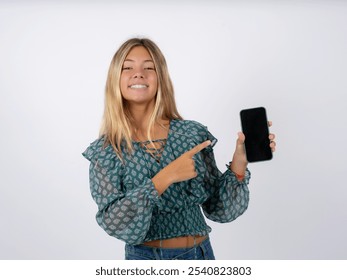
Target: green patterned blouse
(129,207)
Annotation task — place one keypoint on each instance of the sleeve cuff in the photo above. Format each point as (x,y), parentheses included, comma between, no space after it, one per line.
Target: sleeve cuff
(152,193)
(235,177)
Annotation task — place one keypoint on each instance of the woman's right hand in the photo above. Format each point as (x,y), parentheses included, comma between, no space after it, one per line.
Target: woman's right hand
(181,169)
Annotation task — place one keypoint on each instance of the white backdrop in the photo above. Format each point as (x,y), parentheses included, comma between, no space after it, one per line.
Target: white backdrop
(223,56)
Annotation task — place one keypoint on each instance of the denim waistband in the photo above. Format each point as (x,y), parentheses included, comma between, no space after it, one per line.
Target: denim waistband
(202,251)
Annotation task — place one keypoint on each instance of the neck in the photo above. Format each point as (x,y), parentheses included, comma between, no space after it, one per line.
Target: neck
(140,116)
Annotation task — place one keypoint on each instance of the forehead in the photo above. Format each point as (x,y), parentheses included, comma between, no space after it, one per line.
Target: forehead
(138,53)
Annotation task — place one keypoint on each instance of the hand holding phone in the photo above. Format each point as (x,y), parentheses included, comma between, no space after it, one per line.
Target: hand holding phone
(255,128)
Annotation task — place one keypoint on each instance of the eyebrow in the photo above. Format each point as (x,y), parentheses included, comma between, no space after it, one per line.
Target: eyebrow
(147,60)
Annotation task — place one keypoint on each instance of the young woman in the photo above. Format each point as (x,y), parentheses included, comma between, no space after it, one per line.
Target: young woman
(152,174)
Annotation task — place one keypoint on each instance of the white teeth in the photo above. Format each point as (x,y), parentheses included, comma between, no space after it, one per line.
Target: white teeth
(138,86)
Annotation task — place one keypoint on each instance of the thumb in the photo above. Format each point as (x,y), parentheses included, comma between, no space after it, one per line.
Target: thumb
(241,138)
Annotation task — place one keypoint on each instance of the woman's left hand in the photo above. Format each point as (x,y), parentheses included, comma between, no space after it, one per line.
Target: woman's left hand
(239,162)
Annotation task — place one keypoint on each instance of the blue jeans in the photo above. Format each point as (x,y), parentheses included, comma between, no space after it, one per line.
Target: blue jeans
(202,251)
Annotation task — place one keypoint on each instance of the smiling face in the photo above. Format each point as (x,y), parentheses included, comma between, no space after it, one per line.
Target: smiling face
(138,81)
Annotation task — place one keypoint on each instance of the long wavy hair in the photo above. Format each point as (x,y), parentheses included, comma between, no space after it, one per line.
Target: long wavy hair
(117,120)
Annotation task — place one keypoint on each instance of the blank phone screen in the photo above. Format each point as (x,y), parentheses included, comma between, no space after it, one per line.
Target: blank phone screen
(255,127)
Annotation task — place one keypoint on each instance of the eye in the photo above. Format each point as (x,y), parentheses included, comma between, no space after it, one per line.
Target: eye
(126,68)
(149,68)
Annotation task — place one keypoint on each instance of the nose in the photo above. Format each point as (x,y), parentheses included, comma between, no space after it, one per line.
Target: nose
(138,74)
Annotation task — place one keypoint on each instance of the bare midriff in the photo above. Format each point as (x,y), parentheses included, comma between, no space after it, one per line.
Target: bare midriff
(177,242)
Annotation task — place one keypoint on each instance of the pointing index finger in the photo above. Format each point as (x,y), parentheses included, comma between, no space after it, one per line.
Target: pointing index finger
(199,147)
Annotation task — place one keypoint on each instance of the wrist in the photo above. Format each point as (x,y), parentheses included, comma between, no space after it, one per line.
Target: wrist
(238,168)
(239,177)
(239,164)
(161,181)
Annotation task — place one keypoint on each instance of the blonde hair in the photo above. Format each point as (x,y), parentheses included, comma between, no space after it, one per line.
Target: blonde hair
(116,123)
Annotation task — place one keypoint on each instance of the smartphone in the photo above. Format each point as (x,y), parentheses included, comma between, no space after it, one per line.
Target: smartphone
(255,127)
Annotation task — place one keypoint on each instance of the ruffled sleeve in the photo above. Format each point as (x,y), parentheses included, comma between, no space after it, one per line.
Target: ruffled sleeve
(227,197)
(123,212)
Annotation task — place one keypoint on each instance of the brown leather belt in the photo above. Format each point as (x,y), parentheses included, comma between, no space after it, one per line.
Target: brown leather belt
(177,242)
